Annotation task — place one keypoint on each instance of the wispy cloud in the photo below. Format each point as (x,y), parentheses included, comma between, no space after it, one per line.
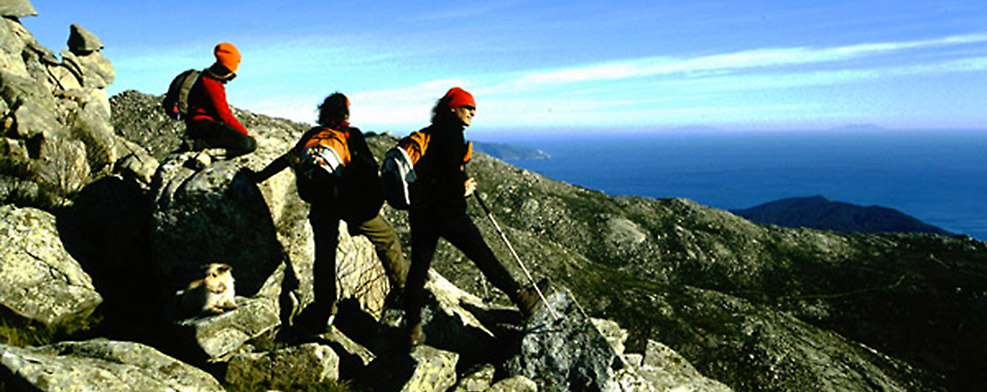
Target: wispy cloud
(758,58)
(709,89)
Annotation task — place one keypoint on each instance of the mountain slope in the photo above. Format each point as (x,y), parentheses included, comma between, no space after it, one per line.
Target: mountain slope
(757,307)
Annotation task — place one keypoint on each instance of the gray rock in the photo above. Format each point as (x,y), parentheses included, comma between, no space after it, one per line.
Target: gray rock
(564,354)
(101,365)
(478,380)
(449,325)
(96,70)
(616,336)
(82,41)
(667,370)
(135,163)
(91,125)
(291,368)
(61,165)
(17,8)
(514,384)
(219,336)
(434,370)
(39,280)
(208,216)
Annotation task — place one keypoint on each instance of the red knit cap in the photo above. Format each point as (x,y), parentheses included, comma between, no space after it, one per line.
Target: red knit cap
(459,97)
(228,56)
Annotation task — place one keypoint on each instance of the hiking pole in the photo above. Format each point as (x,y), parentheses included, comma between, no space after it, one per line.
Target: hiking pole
(516,257)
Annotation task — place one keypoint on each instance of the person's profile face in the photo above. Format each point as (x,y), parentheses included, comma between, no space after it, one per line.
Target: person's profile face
(464,113)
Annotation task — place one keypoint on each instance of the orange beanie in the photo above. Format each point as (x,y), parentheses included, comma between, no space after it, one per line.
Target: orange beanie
(459,97)
(228,56)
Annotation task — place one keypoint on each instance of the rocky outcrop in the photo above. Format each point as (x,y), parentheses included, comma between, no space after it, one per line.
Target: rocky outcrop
(100,365)
(39,280)
(55,113)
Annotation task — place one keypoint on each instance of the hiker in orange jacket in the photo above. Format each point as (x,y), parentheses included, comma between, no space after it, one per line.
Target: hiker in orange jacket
(352,192)
(210,120)
(438,209)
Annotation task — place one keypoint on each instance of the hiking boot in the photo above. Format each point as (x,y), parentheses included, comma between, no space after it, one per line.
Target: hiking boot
(416,337)
(528,301)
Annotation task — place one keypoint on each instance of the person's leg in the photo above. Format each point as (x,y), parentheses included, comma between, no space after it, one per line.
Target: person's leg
(388,247)
(219,135)
(423,241)
(325,230)
(460,231)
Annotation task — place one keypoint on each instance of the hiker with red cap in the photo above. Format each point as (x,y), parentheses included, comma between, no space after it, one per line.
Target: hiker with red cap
(438,209)
(210,121)
(336,173)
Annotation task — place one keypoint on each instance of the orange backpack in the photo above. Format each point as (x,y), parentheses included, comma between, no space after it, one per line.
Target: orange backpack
(398,169)
(320,163)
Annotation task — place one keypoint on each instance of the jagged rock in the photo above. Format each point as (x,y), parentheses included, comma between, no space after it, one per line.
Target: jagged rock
(39,280)
(92,126)
(434,370)
(17,8)
(82,41)
(667,370)
(139,118)
(58,108)
(350,352)
(448,325)
(95,70)
(287,369)
(62,165)
(135,163)
(514,384)
(34,110)
(478,380)
(567,353)
(220,335)
(615,335)
(101,365)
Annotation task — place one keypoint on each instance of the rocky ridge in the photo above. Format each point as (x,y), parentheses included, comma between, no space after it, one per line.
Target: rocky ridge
(682,297)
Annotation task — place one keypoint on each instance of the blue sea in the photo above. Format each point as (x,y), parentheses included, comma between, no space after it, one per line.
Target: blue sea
(939,177)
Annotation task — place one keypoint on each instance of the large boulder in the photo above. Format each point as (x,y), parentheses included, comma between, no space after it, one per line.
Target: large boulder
(17,8)
(100,365)
(82,41)
(434,370)
(291,368)
(565,351)
(219,336)
(213,215)
(39,279)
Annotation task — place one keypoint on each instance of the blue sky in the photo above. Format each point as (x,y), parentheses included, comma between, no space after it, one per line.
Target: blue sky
(551,65)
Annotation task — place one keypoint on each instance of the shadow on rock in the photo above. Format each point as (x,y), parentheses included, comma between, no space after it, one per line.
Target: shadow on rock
(106,231)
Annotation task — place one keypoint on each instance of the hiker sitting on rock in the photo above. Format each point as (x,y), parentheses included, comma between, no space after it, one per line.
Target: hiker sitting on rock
(210,122)
(337,174)
(438,209)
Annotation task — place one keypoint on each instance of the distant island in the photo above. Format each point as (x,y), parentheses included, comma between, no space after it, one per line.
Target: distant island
(509,152)
(819,212)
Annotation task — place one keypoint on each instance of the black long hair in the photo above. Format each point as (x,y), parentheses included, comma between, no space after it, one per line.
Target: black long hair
(334,110)
(441,112)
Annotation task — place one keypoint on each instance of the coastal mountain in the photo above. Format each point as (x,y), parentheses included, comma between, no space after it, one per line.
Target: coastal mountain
(105,219)
(510,152)
(819,212)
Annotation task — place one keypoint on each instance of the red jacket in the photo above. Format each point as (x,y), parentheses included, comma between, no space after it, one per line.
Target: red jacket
(207,101)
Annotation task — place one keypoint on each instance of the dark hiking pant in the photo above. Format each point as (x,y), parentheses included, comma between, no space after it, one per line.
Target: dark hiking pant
(215,134)
(325,229)
(457,228)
